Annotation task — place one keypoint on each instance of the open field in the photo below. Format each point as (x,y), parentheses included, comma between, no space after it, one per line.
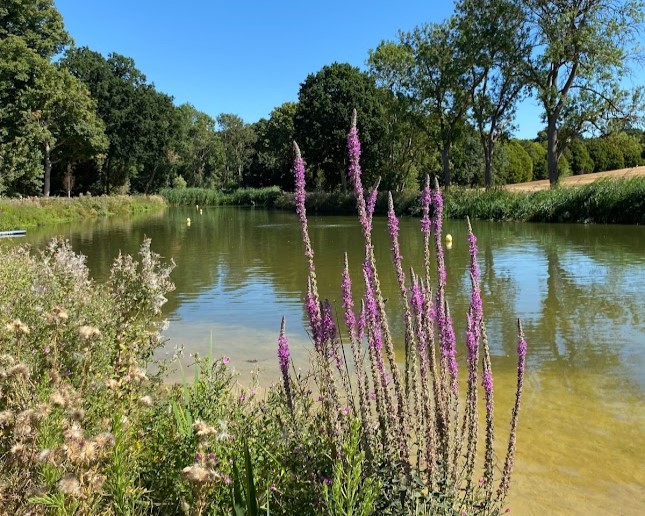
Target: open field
(623,173)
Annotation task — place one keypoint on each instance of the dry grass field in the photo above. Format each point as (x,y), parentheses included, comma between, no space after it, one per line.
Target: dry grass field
(623,173)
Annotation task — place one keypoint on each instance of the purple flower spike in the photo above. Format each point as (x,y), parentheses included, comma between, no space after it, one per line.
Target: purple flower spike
(425,208)
(283,361)
(348,302)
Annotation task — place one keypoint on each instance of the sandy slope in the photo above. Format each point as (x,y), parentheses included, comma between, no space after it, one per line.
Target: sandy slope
(623,173)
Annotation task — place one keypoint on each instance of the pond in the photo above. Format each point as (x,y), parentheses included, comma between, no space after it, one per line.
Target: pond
(578,289)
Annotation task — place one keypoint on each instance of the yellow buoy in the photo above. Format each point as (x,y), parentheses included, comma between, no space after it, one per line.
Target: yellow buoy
(200,211)
(196,206)
(448,238)
(188,221)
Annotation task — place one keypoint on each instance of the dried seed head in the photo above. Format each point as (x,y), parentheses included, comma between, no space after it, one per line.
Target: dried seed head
(74,434)
(112,384)
(58,400)
(42,411)
(77,414)
(45,455)
(6,418)
(104,440)
(96,481)
(202,429)
(6,359)
(18,370)
(18,449)
(88,452)
(198,474)
(60,314)
(89,333)
(18,327)
(70,485)
(146,401)
(137,375)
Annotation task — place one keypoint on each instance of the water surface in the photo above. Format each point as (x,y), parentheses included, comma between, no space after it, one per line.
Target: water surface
(579,290)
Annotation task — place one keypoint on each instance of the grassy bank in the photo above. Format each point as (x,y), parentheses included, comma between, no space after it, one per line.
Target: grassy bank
(603,201)
(40,211)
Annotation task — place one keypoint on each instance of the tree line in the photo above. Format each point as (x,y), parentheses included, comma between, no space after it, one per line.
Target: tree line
(440,99)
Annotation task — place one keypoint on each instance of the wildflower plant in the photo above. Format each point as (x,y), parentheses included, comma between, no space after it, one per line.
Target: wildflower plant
(418,437)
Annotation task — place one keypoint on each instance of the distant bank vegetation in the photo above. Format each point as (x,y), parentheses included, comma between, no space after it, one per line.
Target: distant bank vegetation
(603,201)
(38,211)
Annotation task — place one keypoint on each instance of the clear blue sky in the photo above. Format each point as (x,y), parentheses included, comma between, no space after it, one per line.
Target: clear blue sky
(247,57)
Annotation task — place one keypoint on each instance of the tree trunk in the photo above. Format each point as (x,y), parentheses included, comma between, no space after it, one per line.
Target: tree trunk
(150,180)
(552,151)
(445,161)
(48,170)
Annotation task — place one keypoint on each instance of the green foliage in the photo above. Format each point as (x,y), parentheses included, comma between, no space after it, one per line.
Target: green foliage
(46,113)
(238,139)
(351,493)
(492,35)
(37,22)
(325,103)
(537,152)
(605,154)
(630,146)
(580,55)
(74,360)
(274,148)
(581,162)
(179,183)
(198,153)
(518,166)
(603,201)
(32,212)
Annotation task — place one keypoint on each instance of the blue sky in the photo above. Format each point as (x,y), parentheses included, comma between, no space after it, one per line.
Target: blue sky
(247,57)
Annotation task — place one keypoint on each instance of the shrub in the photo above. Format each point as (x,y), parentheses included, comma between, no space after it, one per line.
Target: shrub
(518,166)
(179,183)
(581,162)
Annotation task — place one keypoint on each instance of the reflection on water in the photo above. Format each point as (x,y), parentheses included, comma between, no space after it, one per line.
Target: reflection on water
(579,290)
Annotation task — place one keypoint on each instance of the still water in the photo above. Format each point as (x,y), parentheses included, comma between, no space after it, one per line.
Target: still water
(579,290)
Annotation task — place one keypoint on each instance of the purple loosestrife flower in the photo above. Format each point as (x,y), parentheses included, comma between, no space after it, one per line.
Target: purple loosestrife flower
(371,200)
(354,149)
(361,322)
(393,228)
(299,176)
(436,200)
(475,298)
(449,350)
(283,361)
(348,302)
(425,208)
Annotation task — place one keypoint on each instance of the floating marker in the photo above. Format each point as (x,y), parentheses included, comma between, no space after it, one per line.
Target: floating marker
(448,239)
(200,211)
(188,221)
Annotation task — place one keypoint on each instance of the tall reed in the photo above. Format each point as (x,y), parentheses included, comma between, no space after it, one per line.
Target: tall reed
(410,419)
